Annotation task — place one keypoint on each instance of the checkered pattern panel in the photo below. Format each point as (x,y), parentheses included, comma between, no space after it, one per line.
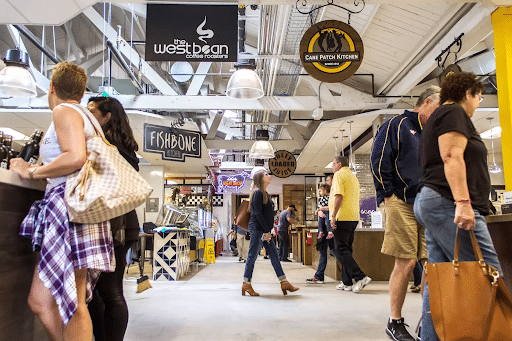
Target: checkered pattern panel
(218,200)
(171,255)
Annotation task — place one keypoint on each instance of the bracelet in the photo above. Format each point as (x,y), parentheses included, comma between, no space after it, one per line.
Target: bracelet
(31,172)
(462,200)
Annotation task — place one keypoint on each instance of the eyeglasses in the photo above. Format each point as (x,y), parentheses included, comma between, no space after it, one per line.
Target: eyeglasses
(481,98)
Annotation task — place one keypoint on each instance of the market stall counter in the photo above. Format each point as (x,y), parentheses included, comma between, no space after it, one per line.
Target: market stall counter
(17,322)
(500,228)
(367,245)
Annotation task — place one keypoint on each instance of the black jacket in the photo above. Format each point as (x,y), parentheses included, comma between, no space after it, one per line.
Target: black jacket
(262,216)
(394,158)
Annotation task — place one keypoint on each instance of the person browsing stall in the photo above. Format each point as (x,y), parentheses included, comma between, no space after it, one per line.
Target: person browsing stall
(285,220)
(71,255)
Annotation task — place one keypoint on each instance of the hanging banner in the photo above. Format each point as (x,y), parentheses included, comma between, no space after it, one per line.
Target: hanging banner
(283,164)
(331,51)
(172,143)
(193,33)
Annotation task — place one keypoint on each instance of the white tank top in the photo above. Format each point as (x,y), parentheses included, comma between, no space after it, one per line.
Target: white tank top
(50,148)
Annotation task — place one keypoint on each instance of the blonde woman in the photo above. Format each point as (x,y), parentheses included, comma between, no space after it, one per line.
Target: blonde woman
(72,256)
(260,225)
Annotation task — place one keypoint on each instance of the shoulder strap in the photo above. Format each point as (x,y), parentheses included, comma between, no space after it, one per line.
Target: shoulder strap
(85,112)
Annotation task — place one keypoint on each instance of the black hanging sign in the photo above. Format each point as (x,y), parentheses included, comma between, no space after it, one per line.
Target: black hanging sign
(331,51)
(283,164)
(173,144)
(193,33)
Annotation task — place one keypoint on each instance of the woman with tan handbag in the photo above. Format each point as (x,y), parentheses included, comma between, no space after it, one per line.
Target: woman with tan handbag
(108,306)
(260,225)
(455,183)
(72,255)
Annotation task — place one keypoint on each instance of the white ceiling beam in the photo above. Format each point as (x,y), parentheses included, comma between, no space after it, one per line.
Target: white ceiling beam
(42,82)
(198,79)
(129,53)
(273,103)
(296,135)
(475,25)
(138,9)
(72,42)
(214,126)
(247,144)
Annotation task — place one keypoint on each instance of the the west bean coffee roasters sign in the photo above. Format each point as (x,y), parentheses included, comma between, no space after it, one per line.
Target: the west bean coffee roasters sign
(192,32)
(331,51)
(173,144)
(283,164)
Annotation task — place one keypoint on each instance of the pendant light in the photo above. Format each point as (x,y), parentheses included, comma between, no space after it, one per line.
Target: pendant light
(15,79)
(245,82)
(351,162)
(329,165)
(342,136)
(261,149)
(494,169)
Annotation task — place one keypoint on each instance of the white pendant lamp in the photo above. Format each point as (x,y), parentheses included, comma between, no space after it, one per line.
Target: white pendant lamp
(15,79)
(261,149)
(494,169)
(245,82)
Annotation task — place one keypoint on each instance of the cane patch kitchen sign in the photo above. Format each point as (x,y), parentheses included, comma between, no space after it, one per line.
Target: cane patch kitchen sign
(331,51)
(283,164)
(192,33)
(173,144)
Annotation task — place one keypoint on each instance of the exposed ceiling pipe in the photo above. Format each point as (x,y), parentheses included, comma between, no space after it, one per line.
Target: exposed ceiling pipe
(428,47)
(34,41)
(125,66)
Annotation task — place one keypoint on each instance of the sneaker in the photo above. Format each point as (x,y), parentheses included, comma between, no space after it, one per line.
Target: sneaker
(359,285)
(285,260)
(396,330)
(330,235)
(342,286)
(320,235)
(314,281)
(415,288)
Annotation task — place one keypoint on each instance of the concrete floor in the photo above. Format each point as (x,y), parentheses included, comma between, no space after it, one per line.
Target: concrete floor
(208,305)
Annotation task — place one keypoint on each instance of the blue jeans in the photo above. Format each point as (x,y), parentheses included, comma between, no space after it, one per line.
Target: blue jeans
(324,224)
(322,256)
(437,213)
(254,249)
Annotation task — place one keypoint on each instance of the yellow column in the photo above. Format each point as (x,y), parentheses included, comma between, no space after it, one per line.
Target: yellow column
(502,26)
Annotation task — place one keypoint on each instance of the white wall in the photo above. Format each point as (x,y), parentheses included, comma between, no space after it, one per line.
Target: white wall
(154,175)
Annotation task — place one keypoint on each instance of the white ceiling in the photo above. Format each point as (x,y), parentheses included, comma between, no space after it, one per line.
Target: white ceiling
(401,39)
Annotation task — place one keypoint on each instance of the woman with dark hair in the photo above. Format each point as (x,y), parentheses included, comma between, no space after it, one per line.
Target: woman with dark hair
(108,307)
(455,184)
(71,255)
(260,225)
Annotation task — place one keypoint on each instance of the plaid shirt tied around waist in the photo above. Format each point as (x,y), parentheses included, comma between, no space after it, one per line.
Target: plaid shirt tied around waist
(65,246)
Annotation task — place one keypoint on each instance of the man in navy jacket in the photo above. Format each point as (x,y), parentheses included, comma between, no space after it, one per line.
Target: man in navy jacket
(396,175)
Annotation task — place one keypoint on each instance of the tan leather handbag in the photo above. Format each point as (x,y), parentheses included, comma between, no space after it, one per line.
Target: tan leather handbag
(469,300)
(243,215)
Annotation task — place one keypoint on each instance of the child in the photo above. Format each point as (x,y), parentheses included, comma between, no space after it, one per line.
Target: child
(324,226)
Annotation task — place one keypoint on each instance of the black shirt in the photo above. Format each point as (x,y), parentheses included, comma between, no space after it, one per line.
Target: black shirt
(452,118)
(262,216)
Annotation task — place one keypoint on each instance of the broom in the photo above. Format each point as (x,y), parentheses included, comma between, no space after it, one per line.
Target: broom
(143,281)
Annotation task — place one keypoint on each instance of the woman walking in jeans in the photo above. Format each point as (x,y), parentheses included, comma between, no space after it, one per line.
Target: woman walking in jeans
(455,182)
(260,225)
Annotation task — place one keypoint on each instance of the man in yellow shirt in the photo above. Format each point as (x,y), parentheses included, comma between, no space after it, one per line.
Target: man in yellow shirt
(344,210)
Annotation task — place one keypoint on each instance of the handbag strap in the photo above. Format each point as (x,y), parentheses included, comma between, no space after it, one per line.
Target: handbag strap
(476,249)
(96,125)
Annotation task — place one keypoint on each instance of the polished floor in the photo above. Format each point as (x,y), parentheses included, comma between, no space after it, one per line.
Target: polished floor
(208,305)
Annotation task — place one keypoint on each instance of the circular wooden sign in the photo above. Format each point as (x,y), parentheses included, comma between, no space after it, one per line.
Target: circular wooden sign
(283,164)
(331,51)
